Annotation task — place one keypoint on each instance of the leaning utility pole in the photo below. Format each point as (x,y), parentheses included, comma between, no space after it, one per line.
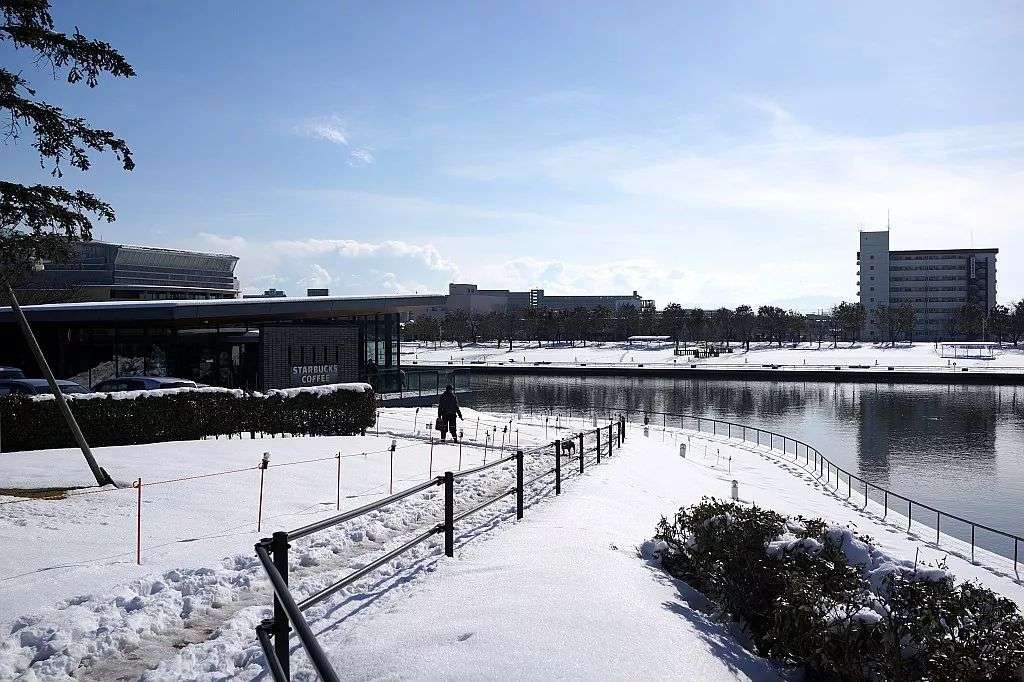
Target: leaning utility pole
(102,477)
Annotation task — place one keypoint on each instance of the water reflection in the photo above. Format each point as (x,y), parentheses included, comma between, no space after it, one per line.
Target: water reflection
(958,448)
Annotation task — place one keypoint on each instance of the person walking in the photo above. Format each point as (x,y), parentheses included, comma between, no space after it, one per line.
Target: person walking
(447,410)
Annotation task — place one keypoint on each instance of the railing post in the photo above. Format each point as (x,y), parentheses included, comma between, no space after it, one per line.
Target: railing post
(972,543)
(598,432)
(519,484)
(938,522)
(279,549)
(581,453)
(558,467)
(611,441)
(449,514)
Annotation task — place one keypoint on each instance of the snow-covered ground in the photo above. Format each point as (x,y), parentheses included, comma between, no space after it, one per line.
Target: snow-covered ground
(923,356)
(561,594)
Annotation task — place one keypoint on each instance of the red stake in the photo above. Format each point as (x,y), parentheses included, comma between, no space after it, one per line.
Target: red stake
(138,524)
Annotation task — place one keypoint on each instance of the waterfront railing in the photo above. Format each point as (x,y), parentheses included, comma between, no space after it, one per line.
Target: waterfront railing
(825,470)
(273,634)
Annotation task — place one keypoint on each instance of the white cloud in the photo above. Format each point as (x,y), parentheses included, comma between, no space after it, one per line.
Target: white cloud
(317,278)
(333,129)
(360,157)
(345,266)
(330,129)
(782,202)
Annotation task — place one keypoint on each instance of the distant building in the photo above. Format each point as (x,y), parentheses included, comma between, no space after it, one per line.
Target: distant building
(269,293)
(318,292)
(100,271)
(472,299)
(936,282)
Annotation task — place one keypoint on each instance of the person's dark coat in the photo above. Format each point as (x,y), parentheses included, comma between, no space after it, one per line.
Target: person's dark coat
(448,405)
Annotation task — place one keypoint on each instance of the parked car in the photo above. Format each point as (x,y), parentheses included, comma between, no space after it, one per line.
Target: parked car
(37,387)
(141,384)
(11,373)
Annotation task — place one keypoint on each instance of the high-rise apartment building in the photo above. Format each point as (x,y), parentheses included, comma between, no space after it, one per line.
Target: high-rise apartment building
(935,282)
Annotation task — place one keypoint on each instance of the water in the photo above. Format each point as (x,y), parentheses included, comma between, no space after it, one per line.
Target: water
(957,448)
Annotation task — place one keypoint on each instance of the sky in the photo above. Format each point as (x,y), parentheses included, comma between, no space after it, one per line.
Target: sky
(705,153)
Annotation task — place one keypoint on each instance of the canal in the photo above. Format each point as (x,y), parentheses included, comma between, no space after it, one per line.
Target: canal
(958,448)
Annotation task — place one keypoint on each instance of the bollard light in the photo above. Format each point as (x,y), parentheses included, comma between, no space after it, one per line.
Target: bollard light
(266,460)
(735,491)
(682,450)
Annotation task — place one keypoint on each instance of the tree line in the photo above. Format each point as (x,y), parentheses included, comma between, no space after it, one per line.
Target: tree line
(844,322)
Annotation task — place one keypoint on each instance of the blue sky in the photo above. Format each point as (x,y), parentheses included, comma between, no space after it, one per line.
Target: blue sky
(705,153)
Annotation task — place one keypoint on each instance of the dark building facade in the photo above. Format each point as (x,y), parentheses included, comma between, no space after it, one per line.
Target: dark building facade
(100,271)
(252,344)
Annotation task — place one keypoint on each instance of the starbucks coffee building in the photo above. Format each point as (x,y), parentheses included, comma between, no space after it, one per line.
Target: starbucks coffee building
(252,344)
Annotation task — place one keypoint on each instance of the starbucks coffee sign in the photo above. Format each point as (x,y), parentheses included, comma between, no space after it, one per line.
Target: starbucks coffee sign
(314,375)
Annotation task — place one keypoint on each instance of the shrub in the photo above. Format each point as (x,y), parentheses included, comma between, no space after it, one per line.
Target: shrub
(132,418)
(818,596)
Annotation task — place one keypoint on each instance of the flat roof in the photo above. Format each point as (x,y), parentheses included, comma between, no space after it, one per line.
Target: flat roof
(220,310)
(162,249)
(933,252)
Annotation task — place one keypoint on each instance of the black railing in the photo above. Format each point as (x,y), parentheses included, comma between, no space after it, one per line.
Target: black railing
(834,475)
(408,382)
(273,634)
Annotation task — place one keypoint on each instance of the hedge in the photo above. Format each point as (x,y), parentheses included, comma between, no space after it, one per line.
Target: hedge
(815,595)
(136,417)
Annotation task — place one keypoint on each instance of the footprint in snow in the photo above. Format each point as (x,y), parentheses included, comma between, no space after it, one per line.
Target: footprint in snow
(464,636)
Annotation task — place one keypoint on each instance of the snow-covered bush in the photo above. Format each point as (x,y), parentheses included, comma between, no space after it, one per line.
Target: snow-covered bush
(816,595)
(135,417)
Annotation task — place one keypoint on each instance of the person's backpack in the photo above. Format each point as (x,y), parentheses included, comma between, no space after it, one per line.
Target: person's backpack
(439,423)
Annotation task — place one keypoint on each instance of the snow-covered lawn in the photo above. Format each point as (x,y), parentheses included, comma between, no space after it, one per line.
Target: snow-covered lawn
(560,594)
(919,355)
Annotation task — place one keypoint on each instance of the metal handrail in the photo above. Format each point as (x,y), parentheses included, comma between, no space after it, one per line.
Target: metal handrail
(822,461)
(273,634)
(359,511)
(306,636)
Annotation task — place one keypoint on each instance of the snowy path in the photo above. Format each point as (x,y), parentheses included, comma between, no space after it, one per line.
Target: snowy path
(560,595)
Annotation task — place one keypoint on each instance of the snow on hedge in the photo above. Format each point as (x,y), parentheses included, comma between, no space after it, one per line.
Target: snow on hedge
(326,389)
(132,395)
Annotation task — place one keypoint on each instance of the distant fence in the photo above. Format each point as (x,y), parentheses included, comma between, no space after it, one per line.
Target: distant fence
(273,633)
